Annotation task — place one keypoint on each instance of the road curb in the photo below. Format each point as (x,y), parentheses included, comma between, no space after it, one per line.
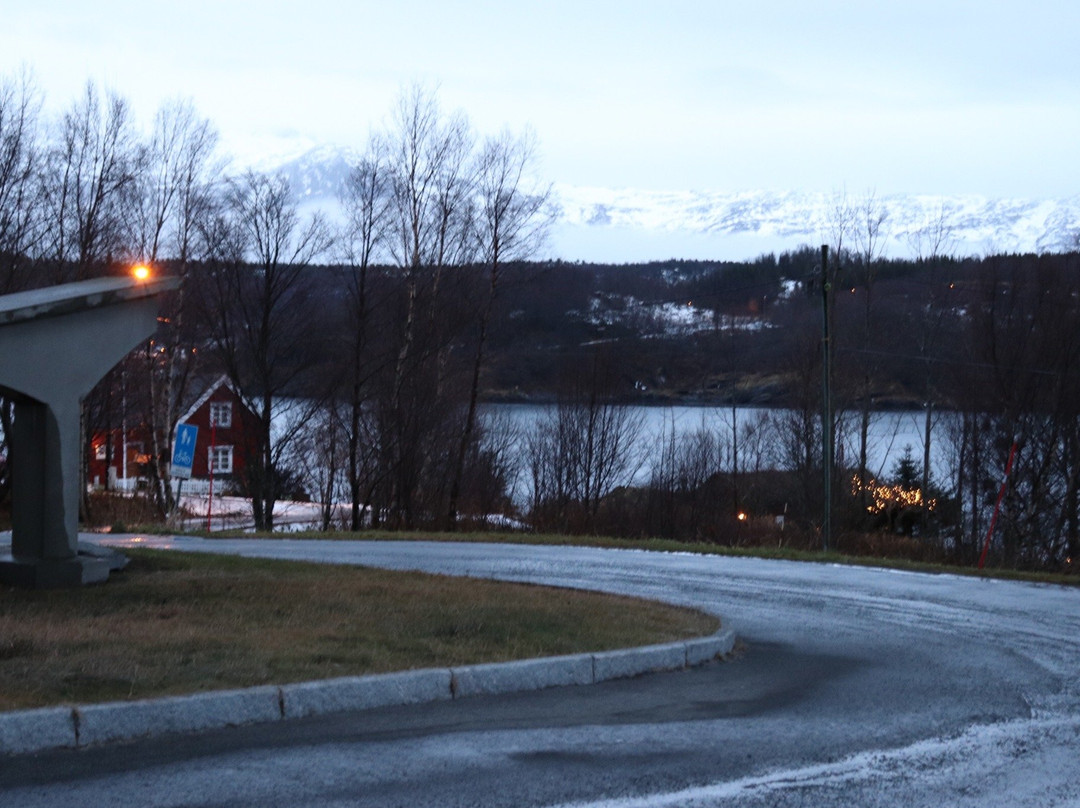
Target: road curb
(304,699)
(526,674)
(28,731)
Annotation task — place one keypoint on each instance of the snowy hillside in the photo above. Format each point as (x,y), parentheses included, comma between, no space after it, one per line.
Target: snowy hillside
(627,225)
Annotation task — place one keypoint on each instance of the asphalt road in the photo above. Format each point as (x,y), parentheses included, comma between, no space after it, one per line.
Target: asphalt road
(851,687)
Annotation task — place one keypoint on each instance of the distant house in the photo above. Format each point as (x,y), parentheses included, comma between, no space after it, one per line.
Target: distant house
(120,461)
(227,430)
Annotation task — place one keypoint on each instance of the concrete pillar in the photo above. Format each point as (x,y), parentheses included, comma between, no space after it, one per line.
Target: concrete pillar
(55,345)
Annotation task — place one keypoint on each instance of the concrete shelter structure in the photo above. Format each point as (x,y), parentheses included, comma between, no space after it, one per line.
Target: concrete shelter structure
(55,345)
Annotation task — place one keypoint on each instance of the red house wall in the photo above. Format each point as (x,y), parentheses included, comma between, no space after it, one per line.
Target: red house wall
(138,448)
(240,434)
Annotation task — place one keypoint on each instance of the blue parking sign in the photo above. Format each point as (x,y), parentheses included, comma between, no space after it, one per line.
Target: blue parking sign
(184,450)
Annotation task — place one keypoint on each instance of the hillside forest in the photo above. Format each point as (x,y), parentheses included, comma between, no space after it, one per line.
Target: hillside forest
(369,349)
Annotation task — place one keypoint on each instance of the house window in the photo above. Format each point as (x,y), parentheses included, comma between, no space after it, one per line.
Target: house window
(221,459)
(221,414)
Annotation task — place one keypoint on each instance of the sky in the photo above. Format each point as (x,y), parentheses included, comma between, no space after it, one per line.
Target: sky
(911,96)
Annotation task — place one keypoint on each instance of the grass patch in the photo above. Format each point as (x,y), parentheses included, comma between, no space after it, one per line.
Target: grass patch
(179,623)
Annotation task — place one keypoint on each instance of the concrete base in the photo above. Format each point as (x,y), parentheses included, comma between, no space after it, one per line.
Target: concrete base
(114,558)
(45,574)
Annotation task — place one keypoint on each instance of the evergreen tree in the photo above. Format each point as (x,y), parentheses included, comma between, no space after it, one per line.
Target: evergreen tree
(906,472)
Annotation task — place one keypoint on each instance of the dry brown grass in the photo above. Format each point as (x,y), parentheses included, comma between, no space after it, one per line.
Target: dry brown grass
(175,623)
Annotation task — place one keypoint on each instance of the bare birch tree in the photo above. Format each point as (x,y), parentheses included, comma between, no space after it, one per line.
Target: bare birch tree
(175,193)
(428,156)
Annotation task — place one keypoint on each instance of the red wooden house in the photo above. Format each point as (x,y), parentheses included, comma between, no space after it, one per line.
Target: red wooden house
(227,430)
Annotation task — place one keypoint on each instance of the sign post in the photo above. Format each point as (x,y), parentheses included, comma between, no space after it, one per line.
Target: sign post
(183,455)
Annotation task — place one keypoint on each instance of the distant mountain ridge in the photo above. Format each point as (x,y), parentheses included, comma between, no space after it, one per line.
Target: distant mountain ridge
(628,225)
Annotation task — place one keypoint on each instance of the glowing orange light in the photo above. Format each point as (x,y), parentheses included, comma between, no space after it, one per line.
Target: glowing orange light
(742,516)
(141,272)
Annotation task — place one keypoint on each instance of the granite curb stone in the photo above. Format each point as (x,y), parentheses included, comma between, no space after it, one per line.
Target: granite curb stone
(117,721)
(27,731)
(706,649)
(365,692)
(34,730)
(526,674)
(629,662)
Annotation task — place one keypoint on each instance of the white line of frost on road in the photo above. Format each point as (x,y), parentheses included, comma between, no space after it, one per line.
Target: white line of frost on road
(1024,762)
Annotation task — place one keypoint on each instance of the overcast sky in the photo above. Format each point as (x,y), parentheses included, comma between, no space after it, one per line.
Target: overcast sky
(938,97)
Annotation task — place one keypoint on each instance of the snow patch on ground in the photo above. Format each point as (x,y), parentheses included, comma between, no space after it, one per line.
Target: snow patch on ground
(234,513)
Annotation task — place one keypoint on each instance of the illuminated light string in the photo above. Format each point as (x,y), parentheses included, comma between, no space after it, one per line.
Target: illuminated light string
(886,497)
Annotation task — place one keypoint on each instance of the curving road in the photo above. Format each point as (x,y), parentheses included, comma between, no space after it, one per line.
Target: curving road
(853,687)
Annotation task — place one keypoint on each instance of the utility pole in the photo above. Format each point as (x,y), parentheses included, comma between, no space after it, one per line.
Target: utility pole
(826,397)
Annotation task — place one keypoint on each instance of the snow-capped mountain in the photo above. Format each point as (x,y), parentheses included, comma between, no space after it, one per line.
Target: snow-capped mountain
(627,225)
(770,221)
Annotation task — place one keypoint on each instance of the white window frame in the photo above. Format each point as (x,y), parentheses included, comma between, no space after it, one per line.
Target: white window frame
(220,459)
(221,414)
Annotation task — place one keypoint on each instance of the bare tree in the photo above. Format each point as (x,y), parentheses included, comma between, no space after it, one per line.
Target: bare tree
(841,220)
(178,172)
(21,228)
(932,242)
(258,314)
(582,449)
(367,200)
(175,193)
(682,502)
(93,168)
(88,188)
(1025,332)
(869,235)
(427,156)
(513,216)
(20,202)
(577,456)
(318,456)
(935,237)
(797,431)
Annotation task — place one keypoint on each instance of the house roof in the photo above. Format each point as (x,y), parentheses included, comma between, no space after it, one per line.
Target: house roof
(222,381)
